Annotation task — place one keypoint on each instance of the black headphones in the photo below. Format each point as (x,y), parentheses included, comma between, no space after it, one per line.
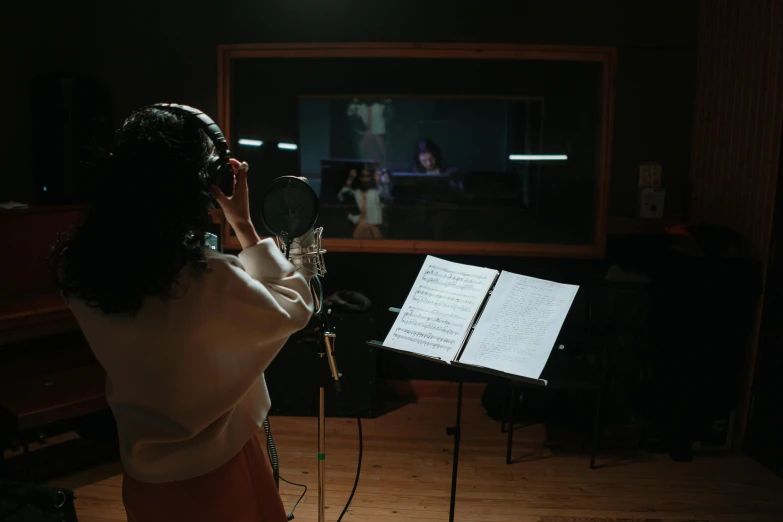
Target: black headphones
(220,171)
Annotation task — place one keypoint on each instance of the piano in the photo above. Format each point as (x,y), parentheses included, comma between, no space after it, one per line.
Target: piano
(50,382)
(49,379)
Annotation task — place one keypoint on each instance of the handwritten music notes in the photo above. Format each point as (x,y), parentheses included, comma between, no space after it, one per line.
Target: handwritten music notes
(515,333)
(440,309)
(519,325)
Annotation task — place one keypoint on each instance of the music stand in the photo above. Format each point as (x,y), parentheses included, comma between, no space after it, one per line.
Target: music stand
(455,430)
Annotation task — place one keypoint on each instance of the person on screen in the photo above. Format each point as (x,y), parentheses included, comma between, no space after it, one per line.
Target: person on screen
(364,191)
(428,159)
(183,332)
(372,117)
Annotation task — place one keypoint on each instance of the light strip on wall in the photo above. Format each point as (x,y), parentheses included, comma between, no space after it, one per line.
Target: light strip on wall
(287,146)
(537,157)
(250,143)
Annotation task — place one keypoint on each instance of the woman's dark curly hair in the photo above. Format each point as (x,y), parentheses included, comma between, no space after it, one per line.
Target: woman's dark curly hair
(149,220)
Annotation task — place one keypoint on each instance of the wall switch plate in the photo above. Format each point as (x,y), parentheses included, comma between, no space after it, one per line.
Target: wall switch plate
(651,202)
(655,175)
(644,175)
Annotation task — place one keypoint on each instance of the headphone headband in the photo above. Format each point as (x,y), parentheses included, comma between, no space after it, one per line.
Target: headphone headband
(221,172)
(207,124)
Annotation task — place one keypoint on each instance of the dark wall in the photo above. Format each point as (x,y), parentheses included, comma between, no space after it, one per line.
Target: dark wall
(40,37)
(739,80)
(149,51)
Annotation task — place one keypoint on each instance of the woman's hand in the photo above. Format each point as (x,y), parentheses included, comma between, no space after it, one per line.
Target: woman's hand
(237,208)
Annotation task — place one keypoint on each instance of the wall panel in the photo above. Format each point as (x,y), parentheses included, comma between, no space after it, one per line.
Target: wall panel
(737,124)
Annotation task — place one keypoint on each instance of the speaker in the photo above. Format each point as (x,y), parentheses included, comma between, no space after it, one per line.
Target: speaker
(296,374)
(72,132)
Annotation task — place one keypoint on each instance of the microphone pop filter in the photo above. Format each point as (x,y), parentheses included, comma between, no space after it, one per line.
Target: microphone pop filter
(289,207)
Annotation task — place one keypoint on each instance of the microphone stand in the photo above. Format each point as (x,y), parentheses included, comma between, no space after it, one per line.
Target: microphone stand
(326,345)
(325,349)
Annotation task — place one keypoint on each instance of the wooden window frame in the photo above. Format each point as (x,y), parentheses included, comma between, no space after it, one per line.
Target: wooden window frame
(606,56)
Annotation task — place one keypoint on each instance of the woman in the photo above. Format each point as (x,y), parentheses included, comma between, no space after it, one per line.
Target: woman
(367,197)
(372,116)
(183,332)
(427,157)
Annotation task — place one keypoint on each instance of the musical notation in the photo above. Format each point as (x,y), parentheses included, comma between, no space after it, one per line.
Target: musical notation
(442,314)
(520,325)
(423,337)
(422,299)
(413,340)
(430,322)
(440,308)
(454,297)
(459,279)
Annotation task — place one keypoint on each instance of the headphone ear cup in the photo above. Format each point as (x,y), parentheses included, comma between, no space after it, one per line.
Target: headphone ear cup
(224,176)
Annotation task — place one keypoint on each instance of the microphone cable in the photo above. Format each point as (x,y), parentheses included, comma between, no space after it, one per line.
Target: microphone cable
(363,304)
(270,446)
(291,515)
(358,470)
(342,395)
(272,450)
(318,294)
(274,460)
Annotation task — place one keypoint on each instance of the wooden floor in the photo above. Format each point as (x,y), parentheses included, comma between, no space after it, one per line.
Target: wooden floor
(406,475)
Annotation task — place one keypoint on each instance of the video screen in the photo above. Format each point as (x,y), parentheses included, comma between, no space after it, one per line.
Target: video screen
(426,168)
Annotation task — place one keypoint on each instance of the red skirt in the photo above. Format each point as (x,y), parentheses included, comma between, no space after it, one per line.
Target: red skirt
(242,490)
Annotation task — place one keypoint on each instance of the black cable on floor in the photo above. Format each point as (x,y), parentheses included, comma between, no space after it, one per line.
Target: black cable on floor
(272,450)
(291,514)
(358,470)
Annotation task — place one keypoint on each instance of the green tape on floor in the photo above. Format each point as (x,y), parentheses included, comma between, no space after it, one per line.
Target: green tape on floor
(321,456)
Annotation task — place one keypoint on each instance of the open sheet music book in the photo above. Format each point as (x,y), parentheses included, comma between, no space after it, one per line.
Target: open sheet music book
(473,316)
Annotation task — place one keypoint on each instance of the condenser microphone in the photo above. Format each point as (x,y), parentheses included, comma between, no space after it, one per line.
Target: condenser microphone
(289,210)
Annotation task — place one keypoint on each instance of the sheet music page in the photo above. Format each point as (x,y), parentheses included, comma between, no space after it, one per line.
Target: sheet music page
(440,308)
(519,325)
